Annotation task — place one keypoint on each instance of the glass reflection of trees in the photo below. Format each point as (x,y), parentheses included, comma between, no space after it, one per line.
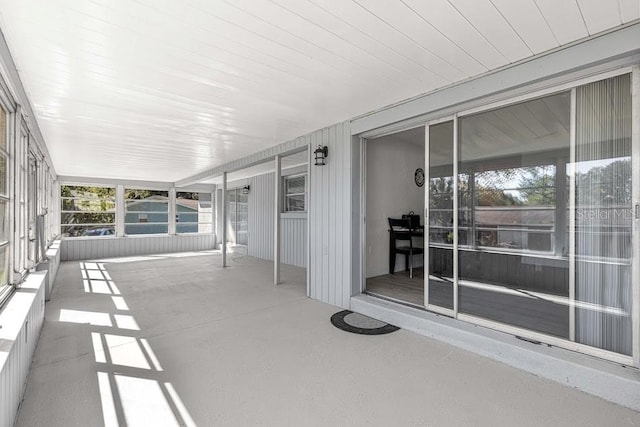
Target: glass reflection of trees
(511,208)
(514,208)
(603,208)
(441,209)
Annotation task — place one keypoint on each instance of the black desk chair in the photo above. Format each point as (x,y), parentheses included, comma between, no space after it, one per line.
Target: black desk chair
(400,231)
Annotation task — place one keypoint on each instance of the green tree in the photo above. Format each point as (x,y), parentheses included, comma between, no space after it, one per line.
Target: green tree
(82,205)
(538,185)
(607,184)
(137,194)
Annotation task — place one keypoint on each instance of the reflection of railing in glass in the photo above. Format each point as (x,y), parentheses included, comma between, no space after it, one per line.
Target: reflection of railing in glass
(508,208)
(441,210)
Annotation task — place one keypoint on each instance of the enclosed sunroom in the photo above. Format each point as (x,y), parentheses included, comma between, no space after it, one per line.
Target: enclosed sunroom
(465,170)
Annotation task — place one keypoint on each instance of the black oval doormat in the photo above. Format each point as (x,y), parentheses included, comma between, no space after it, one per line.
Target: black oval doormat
(360,324)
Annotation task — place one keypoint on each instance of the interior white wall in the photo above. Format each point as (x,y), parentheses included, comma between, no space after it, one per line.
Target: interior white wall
(390,192)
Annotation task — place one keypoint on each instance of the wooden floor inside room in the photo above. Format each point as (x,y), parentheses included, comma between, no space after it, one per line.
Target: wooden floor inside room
(399,286)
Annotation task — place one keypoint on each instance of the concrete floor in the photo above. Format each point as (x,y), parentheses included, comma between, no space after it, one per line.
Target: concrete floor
(177,340)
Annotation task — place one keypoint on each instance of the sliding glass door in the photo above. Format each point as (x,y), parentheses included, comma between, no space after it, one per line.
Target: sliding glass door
(530,214)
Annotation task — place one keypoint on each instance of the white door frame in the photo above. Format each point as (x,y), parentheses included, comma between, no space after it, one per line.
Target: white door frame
(427,171)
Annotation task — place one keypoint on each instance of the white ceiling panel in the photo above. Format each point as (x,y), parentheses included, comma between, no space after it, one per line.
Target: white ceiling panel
(384,33)
(412,25)
(600,15)
(564,19)
(526,19)
(164,89)
(629,10)
(447,20)
(267,17)
(347,33)
(484,16)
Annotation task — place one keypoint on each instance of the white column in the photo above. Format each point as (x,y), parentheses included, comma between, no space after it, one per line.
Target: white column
(171,212)
(224,219)
(120,210)
(218,214)
(276,224)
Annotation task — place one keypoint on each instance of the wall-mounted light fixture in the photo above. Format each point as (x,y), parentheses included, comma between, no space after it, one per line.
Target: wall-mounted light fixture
(321,155)
(245,189)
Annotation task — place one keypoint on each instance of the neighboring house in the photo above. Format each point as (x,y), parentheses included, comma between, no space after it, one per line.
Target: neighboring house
(151,216)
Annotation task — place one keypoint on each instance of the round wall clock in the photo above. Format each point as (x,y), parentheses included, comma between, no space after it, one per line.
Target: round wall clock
(419,177)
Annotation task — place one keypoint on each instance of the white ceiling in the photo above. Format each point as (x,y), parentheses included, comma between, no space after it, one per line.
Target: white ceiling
(164,89)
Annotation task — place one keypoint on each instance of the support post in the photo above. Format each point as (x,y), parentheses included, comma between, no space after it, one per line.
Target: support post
(171,212)
(276,224)
(224,220)
(120,210)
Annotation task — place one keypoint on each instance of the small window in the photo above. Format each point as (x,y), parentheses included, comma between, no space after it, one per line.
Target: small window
(146,211)
(194,212)
(294,193)
(87,211)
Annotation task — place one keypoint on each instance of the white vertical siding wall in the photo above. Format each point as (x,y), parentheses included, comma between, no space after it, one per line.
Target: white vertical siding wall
(293,250)
(330,214)
(51,265)
(21,327)
(261,211)
(293,245)
(109,247)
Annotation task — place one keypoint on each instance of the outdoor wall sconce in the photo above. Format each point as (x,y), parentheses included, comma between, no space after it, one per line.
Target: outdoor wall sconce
(245,189)
(321,154)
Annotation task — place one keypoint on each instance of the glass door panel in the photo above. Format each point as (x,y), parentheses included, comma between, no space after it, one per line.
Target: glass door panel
(231,216)
(439,280)
(513,264)
(242,218)
(238,217)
